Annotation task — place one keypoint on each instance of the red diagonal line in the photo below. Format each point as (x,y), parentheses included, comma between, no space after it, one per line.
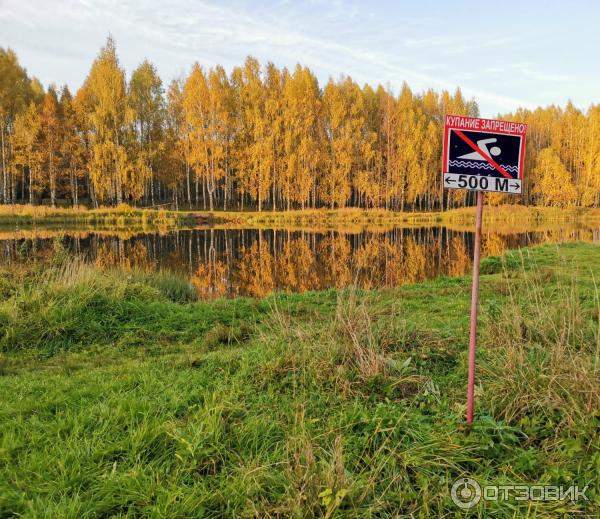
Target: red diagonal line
(489,159)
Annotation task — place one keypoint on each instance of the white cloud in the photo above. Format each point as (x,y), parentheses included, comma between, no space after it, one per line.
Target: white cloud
(329,37)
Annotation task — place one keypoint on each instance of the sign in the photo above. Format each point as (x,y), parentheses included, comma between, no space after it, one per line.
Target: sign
(483,154)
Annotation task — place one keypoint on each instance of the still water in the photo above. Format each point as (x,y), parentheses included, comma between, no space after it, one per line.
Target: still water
(231,262)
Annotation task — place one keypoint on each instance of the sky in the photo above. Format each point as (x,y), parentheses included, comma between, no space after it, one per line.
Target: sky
(506,54)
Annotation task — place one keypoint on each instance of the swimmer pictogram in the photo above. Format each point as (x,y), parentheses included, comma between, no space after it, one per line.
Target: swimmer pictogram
(482,144)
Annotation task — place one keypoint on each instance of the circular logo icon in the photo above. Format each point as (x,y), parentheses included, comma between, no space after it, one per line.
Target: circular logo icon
(466,493)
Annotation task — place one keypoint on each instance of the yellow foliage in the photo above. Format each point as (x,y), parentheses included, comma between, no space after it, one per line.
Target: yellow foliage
(262,138)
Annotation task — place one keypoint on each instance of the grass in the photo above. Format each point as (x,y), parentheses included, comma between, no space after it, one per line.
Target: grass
(123,398)
(118,218)
(506,216)
(509,218)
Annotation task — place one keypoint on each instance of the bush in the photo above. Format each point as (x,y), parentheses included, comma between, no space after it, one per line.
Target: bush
(497,264)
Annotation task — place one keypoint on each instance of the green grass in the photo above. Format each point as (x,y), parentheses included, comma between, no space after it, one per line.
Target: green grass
(122,398)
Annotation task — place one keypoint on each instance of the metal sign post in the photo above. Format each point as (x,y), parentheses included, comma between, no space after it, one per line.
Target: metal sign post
(474,305)
(481,155)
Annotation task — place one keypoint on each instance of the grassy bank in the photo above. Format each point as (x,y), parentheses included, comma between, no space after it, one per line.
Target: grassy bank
(492,214)
(125,217)
(124,397)
(503,219)
(121,217)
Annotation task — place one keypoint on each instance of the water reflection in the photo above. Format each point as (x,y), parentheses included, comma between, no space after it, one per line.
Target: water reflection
(230,262)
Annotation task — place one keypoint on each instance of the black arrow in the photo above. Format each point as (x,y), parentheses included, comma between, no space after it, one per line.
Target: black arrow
(449,181)
(514,185)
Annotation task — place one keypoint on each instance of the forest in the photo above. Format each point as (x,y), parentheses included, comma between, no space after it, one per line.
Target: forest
(260,138)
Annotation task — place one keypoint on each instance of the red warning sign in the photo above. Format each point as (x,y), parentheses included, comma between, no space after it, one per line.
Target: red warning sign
(483,154)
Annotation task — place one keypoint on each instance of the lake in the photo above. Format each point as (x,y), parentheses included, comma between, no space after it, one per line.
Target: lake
(227,262)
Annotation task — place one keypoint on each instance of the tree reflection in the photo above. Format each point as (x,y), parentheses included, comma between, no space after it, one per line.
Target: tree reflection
(227,262)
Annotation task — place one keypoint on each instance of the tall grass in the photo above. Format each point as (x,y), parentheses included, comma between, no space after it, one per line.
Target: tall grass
(121,216)
(124,215)
(70,303)
(334,404)
(542,347)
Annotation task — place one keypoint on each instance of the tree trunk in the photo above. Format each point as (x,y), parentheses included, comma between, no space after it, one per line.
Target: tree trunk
(151,186)
(52,181)
(189,191)
(72,185)
(3,163)
(211,189)
(30,184)
(23,184)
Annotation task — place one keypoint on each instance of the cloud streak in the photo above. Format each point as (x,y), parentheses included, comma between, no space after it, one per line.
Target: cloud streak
(331,38)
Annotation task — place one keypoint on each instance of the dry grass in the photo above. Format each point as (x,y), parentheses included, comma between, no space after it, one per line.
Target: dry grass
(350,352)
(542,350)
(41,211)
(506,218)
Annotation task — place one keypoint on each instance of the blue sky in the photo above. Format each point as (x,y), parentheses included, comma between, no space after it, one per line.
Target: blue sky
(505,54)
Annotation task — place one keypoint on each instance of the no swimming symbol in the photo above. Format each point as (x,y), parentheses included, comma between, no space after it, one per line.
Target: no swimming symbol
(463,149)
(483,154)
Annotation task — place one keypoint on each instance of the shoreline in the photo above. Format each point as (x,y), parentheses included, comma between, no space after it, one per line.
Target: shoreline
(126,217)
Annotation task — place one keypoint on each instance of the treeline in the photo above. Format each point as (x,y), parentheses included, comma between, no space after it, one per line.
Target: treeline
(259,138)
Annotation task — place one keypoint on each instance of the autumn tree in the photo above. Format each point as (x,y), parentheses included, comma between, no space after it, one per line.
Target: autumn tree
(253,157)
(50,129)
(207,111)
(15,93)
(27,156)
(221,131)
(177,141)
(273,148)
(589,181)
(111,173)
(553,183)
(72,146)
(262,137)
(406,138)
(367,179)
(302,138)
(343,105)
(146,102)
(196,99)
